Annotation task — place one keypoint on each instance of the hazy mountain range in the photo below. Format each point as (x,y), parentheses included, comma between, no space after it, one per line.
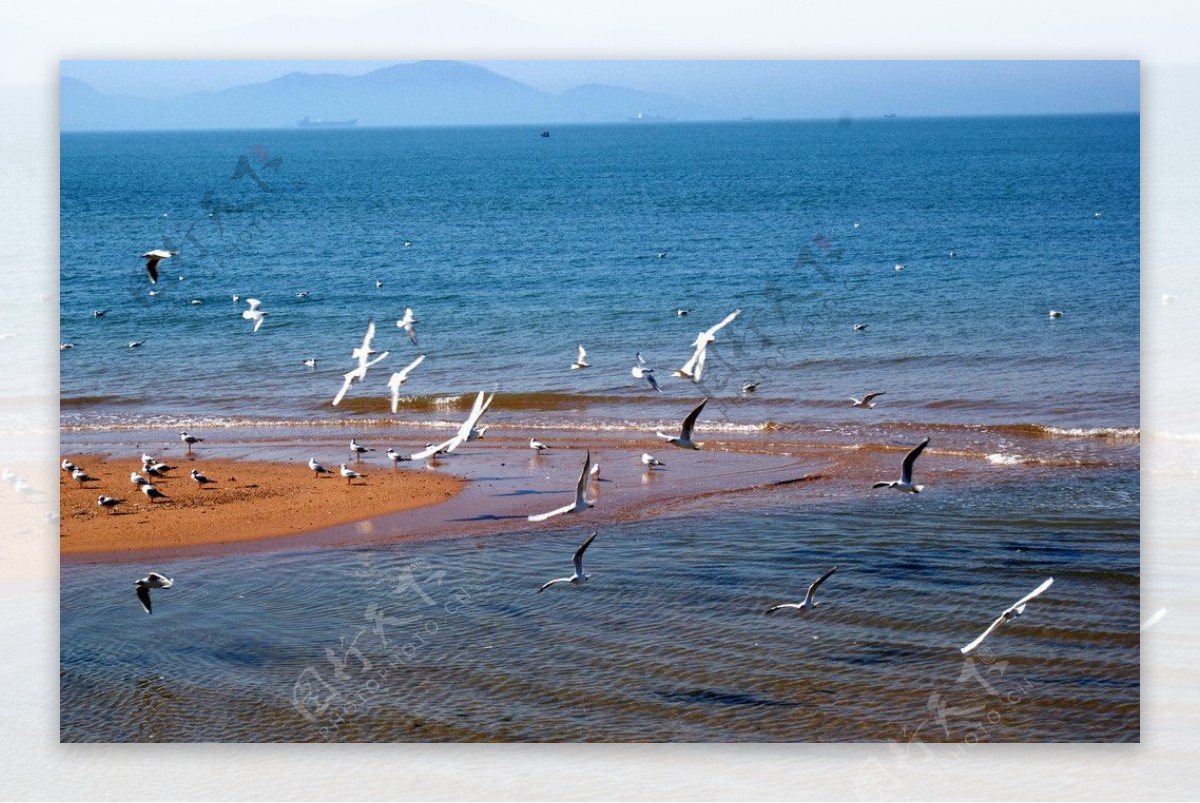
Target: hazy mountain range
(421,93)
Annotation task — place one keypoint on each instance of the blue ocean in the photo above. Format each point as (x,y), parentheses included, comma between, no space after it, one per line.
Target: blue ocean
(917,258)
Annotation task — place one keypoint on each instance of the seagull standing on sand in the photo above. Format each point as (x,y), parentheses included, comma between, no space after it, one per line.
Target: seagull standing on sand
(809,603)
(316,468)
(580,360)
(684,440)
(905,482)
(1012,613)
(399,379)
(152,580)
(152,259)
(866,401)
(407,324)
(351,474)
(580,504)
(199,478)
(81,476)
(108,502)
(189,440)
(153,493)
(138,479)
(254,313)
(649,461)
(67,465)
(578,577)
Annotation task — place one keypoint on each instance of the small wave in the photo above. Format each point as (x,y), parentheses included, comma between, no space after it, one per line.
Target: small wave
(1132,433)
(999,459)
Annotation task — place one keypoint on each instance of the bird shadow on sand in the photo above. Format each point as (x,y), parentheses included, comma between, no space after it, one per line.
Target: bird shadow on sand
(490,517)
(532,492)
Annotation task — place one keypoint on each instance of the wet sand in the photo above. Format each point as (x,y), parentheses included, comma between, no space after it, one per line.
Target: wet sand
(246,501)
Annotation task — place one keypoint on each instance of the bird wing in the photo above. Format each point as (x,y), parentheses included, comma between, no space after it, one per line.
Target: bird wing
(143,595)
(906,470)
(653,382)
(577,560)
(152,272)
(690,422)
(464,432)
(999,621)
(1021,602)
(430,451)
(812,589)
(557,512)
(554,582)
(348,380)
(258,320)
(254,304)
(582,354)
(724,322)
(869,396)
(408,369)
(700,365)
(581,485)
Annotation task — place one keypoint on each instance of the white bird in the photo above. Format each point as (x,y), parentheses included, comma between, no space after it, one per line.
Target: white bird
(153,258)
(580,360)
(466,433)
(81,476)
(152,580)
(135,344)
(684,439)
(905,482)
(363,352)
(363,355)
(1054,313)
(189,440)
(378,284)
(316,468)
(65,346)
(682,313)
(153,493)
(1012,613)
(580,504)
(138,479)
(693,369)
(302,294)
(199,478)
(537,445)
(350,474)
(750,387)
(147,458)
(578,577)
(399,379)
(396,457)
(406,323)
(311,363)
(254,313)
(641,370)
(358,449)
(595,472)
(108,502)
(156,469)
(67,465)
(860,327)
(899,267)
(866,401)
(649,461)
(809,603)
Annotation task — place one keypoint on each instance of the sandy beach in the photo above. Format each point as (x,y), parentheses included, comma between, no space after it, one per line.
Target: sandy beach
(246,501)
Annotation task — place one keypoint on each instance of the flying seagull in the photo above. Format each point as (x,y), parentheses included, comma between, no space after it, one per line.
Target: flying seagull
(866,401)
(580,360)
(693,369)
(905,482)
(642,370)
(254,313)
(580,504)
(406,323)
(153,258)
(399,379)
(363,355)
(466,433)
(809,603)
(578,578)
(684,440)
(1010,614)
(152,580)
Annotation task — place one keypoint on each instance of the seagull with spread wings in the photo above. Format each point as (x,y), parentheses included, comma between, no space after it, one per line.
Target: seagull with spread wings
(1011,613)
(809,603)
(580,504)
(578,577)
(684,439)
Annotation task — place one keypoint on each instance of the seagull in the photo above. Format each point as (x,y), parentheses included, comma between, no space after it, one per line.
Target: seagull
(363,355)
(189,440)
(152,580)
(254,313)
(750,387)
(466,433)
(899,267)
(694,367)
(396,457)
(351,475)
(100,313)
(153,493)
(578,578)
(905,482)
(302,294)
(1055,313)
(378,284)
(81,476)
(682,313)
(236,298)
(311,363)
(580,504)
(595,472)
(156,469)
(537,445)
(133,344)
(153,258)
(1097,214)
(67,465)
(1012,613)
(684,441)
(649,461)
(358,450)
(199,478)
(860,327)
(641,370)
(65,346)
(406,323)
(147,458)
(108,502)
(809,603)
(138,479)
(580,360)
(399,378)
(865,402)
(316,468)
